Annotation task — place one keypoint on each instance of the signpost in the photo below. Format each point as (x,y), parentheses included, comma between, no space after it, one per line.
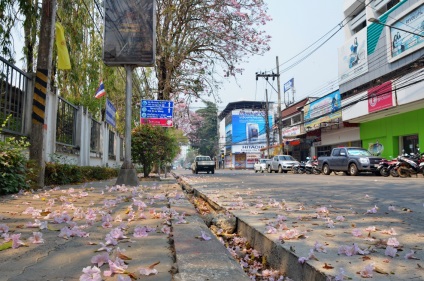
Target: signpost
(129,41)
(157,112)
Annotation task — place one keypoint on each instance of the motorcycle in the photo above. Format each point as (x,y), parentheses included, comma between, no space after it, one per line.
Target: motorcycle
(299,168)
(386,168)
(315,169)
(410,165)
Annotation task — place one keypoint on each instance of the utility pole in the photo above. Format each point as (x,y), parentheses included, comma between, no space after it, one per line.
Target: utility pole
(280,117)
(273,75)
(267,122)
(42,87)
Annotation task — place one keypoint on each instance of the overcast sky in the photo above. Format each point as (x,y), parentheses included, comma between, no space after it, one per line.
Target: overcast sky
(295,26)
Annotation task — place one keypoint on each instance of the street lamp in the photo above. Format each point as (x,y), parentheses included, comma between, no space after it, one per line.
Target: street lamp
(377,21)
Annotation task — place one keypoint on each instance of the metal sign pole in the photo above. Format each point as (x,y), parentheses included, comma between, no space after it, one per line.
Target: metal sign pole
(128,174)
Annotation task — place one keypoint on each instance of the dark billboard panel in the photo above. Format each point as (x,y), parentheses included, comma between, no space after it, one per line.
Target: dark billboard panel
(129,35)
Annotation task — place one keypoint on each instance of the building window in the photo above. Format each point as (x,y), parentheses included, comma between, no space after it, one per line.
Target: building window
(111,144)
(296,119)
(95,136)
(66,122)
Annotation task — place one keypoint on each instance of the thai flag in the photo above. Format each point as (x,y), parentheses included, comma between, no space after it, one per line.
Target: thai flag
(100,91)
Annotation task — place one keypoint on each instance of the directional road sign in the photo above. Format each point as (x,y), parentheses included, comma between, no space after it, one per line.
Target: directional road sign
(157,112)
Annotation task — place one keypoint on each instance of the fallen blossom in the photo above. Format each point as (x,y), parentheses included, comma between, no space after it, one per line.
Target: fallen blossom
(393,242)
(392,208)
(150,270)
(370,229)
(340,218)
(410,256)
(319,247)
(91,274)
(302,260)
(373,210)
(367,271)
(37,238)
(204,236)
(100,259)
(390,231)
(390,251)
(322,210)
(290,234)
(311,255)
(16,242)
(4,228)
(341,276)
(115,267)
(166,229)
(356,232)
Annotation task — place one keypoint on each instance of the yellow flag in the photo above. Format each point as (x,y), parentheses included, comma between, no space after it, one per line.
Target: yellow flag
(63,61)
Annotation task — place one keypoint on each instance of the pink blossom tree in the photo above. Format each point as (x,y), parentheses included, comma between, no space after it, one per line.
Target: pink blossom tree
(196,39)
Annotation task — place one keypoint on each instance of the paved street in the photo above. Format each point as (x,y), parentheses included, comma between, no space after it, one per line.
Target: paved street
(384,217)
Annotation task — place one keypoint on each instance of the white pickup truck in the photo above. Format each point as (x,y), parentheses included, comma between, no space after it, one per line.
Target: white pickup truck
(203,163)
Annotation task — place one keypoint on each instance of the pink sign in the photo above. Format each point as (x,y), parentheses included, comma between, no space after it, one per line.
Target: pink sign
(380,97)
(163,122)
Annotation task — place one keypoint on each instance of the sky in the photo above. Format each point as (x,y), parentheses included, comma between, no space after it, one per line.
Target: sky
(295,26)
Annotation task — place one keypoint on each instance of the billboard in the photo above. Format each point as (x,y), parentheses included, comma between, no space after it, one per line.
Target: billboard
(129,35)
(401,39)
(353,57)
(248,126)
(323,110)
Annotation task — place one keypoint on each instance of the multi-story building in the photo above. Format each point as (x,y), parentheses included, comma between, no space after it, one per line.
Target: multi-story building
(381,73)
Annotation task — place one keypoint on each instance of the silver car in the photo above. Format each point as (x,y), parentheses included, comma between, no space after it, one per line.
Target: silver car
(282,163)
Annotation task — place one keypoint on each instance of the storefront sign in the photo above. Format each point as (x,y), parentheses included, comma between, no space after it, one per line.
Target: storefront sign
(291,131)
(322,110)
(247,148)
(380,97)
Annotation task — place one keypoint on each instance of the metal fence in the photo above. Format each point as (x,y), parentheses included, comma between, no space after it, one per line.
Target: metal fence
(13,89)
(95,136)
(66,122)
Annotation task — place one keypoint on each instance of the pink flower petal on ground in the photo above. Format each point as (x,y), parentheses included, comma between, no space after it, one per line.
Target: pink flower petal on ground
(16,242)
(124,278)
(4,228)
(319,247)
(393,242)
(100,259)
(340,218)
(370,229)
(148,271)
(37,238)
(367,271)
(302,260)
(205,236)
(390,251)
(392,208)
(91,274)
(410,256)
(357,232)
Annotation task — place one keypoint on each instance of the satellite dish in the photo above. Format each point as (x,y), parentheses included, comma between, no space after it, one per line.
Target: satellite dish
(376,149)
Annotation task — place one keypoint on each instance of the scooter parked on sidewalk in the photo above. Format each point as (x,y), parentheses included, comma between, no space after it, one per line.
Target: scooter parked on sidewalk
(410,165)
(386,167)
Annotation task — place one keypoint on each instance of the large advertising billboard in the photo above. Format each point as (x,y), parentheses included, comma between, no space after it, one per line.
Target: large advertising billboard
(129,34)
(323,110)
(248,126)
(405,34)
(353,57)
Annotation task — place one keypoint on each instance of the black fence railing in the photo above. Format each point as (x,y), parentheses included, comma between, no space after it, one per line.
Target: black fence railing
(66,122)
(13,97)
(95,136)
(111,149)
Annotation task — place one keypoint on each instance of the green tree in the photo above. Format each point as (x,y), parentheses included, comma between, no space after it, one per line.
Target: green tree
(151,145)
(206,136)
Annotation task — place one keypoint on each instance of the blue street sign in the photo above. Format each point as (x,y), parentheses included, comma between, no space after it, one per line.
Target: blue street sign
(157,109)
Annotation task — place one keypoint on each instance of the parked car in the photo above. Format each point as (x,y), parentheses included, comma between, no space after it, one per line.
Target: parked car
(282,163)
(203,164)
(261,165)
(351,160)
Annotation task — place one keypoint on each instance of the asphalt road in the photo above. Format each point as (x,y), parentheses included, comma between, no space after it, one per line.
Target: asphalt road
(365,202)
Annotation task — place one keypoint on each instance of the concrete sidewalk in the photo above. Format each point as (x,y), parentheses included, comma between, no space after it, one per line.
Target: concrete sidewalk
(84,220)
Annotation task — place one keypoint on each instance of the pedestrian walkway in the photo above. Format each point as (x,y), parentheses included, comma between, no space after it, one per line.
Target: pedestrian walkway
(111,232)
